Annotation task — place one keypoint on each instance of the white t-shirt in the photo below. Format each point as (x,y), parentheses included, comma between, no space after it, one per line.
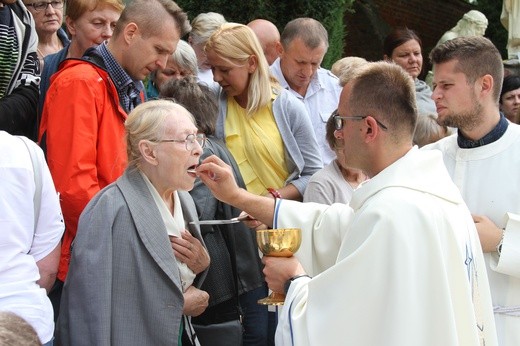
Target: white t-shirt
(21,247)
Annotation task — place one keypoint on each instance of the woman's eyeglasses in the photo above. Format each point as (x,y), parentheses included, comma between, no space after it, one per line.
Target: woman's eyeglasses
(42,5)
(190,141)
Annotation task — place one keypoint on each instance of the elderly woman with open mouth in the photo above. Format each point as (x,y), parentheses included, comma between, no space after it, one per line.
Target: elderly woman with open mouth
(126,285)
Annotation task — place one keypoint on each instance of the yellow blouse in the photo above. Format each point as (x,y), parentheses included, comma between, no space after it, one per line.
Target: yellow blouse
(257,147)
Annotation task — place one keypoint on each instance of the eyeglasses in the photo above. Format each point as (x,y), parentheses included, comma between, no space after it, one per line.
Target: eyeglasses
(42,5)
(190,141)
(338,120)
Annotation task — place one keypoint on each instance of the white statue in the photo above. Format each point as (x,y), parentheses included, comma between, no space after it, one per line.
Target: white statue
(473,23)
(510,19)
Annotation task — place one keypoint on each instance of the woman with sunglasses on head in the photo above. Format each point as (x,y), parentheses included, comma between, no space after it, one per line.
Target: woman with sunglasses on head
(335,182)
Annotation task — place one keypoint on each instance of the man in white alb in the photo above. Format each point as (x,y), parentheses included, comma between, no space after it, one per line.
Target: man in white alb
(404,263)
(483,159)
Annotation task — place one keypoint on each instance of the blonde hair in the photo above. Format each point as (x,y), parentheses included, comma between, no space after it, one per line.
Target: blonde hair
(146,122)
(344,66)
(15,331)
(236,44)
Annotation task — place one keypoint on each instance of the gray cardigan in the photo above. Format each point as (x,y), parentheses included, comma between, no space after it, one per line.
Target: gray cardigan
(123,285)
(301,148)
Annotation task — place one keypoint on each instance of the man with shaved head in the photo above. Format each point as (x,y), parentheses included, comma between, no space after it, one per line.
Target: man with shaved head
(269,38)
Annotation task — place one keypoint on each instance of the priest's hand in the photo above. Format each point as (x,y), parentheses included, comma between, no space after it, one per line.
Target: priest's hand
(489,233)
(278,270)
(190,250)
(219,178)
(195,301)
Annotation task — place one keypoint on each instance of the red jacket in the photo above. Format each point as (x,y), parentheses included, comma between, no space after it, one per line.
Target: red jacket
(82,129)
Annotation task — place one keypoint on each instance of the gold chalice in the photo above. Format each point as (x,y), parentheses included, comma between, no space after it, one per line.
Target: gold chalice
(281,242)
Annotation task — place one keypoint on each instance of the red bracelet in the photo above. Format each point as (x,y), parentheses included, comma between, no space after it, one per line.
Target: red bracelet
(274,192)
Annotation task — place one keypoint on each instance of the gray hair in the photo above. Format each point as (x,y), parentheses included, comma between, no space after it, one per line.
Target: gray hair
(146,122)
(345,68)
(204,25)
(309,30)
(185,57)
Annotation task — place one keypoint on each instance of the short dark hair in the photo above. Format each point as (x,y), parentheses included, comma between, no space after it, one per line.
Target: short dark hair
(197,98)
(397,37)
(511,82)
(385,91)
(330,129)
(476,57)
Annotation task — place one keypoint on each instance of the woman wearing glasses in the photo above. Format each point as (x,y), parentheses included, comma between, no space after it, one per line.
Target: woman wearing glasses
(126,285)
(48,17)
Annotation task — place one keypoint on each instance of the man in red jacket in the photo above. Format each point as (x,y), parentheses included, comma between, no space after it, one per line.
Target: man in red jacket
(82,128)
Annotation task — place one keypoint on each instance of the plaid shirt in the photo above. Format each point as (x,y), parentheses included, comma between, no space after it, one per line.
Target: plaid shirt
(129,90)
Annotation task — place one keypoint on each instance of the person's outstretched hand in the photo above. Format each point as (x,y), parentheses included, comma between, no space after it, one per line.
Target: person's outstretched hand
(218,177)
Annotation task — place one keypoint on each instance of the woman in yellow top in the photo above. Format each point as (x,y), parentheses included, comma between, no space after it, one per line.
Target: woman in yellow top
(267,130)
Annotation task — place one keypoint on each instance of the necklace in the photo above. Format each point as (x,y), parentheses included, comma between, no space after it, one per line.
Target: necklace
(40,53)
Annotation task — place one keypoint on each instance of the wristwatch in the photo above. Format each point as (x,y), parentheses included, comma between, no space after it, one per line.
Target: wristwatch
(499,245)
(289,282)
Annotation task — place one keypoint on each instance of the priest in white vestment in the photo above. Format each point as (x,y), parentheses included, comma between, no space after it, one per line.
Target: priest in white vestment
(483,160)
(401,265)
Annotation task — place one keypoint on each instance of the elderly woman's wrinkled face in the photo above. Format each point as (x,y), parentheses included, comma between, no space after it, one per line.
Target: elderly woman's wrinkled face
(409,56)
(172,71)
(48,15)
(175,159)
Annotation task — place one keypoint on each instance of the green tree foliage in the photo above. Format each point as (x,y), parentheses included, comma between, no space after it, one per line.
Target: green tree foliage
(329,12)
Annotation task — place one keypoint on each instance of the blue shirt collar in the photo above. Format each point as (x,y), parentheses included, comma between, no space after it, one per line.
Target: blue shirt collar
(491,137)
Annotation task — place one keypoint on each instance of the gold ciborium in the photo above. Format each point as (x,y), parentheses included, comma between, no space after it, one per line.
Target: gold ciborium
(281,242)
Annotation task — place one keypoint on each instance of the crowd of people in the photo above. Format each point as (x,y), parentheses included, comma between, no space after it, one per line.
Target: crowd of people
(125,128)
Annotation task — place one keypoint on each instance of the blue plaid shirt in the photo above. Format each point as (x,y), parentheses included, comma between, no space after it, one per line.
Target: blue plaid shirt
(129,90)
(492,136)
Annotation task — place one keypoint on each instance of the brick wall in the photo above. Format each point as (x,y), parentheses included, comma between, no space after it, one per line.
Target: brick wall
(373,19)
